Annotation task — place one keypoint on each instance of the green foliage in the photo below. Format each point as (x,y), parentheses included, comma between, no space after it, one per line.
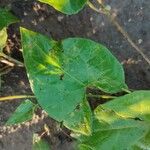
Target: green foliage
(3,38)
(60,72)
(116,126)
(23,113)
(144,143)
(134,105)
(6,18)
(66,6)
(40,144)
(80,120)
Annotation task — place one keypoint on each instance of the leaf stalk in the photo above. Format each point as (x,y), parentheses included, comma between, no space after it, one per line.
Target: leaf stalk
(7,98)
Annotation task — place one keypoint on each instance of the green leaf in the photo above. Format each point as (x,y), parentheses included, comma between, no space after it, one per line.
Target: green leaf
(80,120)
(134,105)
(113,132)
(23,113)
(135,148)
(110,120)
(119,139)
(84,147)
(144,143)
(6,18)
(66,6)
(40,144)
(60,72)
(3,39)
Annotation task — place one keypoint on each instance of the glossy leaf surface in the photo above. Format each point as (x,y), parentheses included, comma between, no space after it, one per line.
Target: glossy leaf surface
(66,6)
(23,113)
(60,72)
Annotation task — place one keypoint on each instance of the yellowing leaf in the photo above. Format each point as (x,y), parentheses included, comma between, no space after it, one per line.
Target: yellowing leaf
(3,38)
(134,105)
(60,72)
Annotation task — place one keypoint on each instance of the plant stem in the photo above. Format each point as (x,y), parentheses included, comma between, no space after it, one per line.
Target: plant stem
(16,97)
(101,96)
(94,8)
(127,91)
(103,10)
(12,59)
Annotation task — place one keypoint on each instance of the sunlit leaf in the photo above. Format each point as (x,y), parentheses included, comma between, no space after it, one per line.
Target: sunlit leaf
(23,113)
(60,72)
(134,105)
(3,38)
(110,120)
(66,6)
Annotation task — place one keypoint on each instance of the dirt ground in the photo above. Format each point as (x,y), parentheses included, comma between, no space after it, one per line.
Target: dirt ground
(133,15)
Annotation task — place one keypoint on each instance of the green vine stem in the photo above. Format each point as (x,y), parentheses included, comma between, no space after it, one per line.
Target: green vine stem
(16,97)
(18,63)
(107,12)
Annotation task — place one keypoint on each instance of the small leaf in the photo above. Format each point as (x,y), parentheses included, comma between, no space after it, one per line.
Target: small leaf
(60,72)
(40,144)
(3,39)
(23,113)
(80,120)
(6,18)
(134,105)
(66,6)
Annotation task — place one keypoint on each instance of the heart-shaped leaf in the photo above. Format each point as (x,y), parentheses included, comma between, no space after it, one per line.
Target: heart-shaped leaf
(60,72)
(66,6)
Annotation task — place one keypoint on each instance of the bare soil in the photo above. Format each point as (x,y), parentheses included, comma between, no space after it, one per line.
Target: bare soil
(133,15)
